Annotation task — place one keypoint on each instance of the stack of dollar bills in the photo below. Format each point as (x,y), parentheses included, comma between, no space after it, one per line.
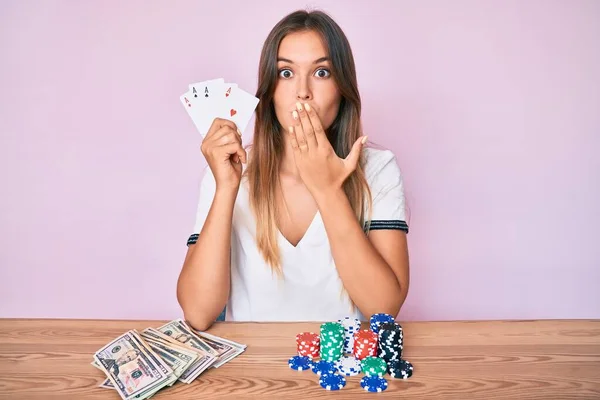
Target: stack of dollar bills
(139,364)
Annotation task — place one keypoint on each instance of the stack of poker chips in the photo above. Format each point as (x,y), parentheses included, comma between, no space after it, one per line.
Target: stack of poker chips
(351,326)
(374,369)
(332,341)
(375,352)
(390,342)
(365,344)
(308,344)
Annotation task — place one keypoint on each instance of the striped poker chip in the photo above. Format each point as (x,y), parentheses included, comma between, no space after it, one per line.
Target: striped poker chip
(332,381)
(331,341)
(365,344)
(323,367)
(348,366)
(374,366)
(400,369)
(390,341)
(351,326)
(308,344)
(373,384)
(300,363)
(378,319)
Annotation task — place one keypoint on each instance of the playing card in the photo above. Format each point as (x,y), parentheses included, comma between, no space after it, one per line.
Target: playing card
(205,86)
(238,107)
(225,84)
(203,103)
(210,99)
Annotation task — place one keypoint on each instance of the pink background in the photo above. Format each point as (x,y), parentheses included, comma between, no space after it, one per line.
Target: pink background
(492,107)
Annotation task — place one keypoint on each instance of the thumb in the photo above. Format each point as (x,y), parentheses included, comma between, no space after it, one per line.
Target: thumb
(352,159)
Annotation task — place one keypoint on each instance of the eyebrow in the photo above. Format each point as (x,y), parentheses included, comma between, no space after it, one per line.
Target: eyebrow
(319,60)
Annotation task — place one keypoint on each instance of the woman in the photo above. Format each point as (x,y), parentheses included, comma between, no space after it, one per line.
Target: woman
(309,224)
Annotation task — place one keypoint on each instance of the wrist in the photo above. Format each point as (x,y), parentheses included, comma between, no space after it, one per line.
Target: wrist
(329,196)
(226,192)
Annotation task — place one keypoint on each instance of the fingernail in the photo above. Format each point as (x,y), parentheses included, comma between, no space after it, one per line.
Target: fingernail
(307,106)
(299,106)
(291,129)
(364,139)
(239,133)
(295,114)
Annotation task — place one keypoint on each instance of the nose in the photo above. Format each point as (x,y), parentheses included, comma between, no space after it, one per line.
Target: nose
(303,91)
(303,96)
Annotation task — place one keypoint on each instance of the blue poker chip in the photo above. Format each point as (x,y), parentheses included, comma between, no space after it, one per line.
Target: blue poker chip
(323,367)
(378,319)
(332,381)
(373,384)
(300,363)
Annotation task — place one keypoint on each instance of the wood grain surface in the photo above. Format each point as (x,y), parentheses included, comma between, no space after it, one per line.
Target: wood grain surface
(545,359)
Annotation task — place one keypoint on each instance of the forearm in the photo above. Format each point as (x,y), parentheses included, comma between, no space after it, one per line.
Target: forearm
(369,280)
(204,282)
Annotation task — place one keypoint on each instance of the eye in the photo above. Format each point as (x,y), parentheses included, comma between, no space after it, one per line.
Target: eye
(287,73)
(327,75)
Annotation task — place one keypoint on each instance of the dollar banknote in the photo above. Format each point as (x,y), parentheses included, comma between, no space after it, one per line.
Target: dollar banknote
(181,333)
(139,364)
(226,349)
(132,367)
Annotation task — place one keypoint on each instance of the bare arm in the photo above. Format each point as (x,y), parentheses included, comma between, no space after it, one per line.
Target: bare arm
(374,272)
(204,282)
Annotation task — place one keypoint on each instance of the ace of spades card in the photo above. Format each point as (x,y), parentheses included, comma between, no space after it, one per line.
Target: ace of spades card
(212,99)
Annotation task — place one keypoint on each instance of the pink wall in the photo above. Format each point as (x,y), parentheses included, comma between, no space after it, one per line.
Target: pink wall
(493,109)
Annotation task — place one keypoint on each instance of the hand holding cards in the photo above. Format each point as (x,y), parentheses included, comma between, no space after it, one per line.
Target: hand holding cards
(221,111)
(207,100)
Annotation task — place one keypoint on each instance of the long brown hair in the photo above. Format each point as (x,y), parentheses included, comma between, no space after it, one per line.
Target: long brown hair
(267,147)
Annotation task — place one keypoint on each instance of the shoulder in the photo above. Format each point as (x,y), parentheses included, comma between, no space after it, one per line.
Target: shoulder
(380,164)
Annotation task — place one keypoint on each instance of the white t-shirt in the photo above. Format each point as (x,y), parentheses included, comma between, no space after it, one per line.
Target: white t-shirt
(311,289)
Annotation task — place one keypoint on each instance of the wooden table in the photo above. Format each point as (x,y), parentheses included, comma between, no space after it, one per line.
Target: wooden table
(548,359)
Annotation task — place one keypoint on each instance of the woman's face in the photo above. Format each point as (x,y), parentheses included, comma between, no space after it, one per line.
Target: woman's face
(305,76)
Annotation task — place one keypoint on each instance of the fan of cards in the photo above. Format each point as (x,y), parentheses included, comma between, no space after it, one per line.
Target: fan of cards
(139,364)
(207,100)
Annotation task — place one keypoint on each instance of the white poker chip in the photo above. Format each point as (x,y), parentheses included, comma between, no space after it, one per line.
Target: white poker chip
(348,366)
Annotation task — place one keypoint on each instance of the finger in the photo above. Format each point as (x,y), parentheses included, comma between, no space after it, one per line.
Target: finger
(351,160)
(226,135)
(219,123)
(227,129)
(318,132)
(294,140)
(299,132)
(307,126)
(235,149)
(229,138)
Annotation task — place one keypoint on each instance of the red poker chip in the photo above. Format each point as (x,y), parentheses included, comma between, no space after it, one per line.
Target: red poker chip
(308,344)
(365,344)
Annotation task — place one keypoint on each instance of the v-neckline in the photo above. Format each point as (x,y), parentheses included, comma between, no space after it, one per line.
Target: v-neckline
(306,233)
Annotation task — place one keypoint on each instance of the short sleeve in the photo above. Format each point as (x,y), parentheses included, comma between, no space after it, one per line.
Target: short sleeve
(205,199)
(387,191)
